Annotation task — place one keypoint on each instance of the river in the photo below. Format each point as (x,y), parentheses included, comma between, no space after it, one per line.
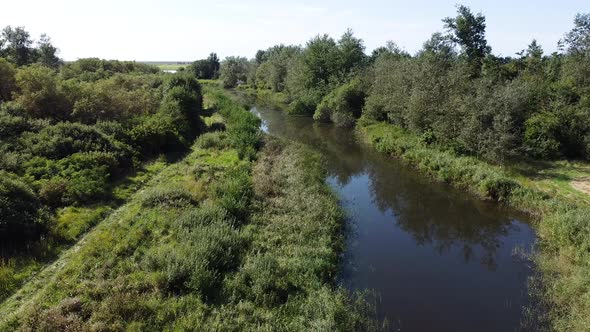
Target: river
(437,258)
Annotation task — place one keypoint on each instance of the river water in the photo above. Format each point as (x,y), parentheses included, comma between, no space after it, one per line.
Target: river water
(437,258)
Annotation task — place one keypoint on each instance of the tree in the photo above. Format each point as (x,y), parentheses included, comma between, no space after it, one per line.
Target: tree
(391,49)
(206,68)
(577,41)
(468,30)
(352,52)
(18,45)
(321,61)
(40,94)
(234,70)
(7,81)
(47,53)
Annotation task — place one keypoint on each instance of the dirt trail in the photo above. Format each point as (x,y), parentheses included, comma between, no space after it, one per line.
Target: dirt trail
(582,185)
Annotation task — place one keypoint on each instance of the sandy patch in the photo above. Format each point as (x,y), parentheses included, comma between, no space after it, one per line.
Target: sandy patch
(582,185)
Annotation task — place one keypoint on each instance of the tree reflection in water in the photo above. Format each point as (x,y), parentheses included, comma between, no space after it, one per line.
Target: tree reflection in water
(438,259)
(442,219)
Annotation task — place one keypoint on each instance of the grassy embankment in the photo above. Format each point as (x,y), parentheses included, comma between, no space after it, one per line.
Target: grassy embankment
(67,226)
(544,190)
(217,240)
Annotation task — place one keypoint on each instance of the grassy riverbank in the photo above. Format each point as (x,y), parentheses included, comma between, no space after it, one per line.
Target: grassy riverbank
(228,238)
(561,212)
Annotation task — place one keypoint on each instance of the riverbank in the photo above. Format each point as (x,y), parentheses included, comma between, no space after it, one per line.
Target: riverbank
(561,215)
(221,239)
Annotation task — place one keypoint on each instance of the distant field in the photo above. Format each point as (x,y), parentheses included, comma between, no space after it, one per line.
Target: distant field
(172,65)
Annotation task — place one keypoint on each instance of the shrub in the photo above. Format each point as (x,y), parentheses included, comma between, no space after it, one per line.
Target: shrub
(64,139)
(498,188)
(235,192)
(342,105)
(19,208)
(170,197)
(207,214)
(570,229)
(198,261)
(52,191)
(7,80)
(218,140)
(263,281)
(541,135)
(40,93)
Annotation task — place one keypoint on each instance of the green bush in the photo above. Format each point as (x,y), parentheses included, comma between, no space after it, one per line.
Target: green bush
(198,261)
(19,208)
(498,188)
(541,135)
(235,192)
(570,229)
(263,281)
(207,214)
(64,139)
(342,105)
(217,139)
(170,197)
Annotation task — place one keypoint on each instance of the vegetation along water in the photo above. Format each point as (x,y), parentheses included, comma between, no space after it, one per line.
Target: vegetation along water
(311,187)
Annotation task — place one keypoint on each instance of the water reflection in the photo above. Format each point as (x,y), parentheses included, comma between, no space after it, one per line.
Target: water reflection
(439,259)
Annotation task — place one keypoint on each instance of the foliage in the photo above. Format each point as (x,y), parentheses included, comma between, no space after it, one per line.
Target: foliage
(468,30)
(206,68)
(7,80)
(19,208)
(234,71)
(342,105)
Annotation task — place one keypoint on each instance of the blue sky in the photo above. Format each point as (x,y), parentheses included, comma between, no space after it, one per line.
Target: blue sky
(150,30)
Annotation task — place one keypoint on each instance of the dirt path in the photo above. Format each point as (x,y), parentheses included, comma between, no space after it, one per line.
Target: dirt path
(582,185)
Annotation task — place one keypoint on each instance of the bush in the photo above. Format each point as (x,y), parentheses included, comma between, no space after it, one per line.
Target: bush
(235,192)
(218,140)
(541,136)
(171,197)
(263,281)
(19,208)
(41,94)
(198,261)
(64,139)
(498,188)
(53,191)
(207,214)
(342,105)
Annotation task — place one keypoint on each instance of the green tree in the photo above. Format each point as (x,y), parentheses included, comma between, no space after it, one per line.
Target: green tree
(234,70)
(206,68)
(7,80)
(47,53)
(352,53)
(18,45)
(468,30)
(577,41)
(40,93)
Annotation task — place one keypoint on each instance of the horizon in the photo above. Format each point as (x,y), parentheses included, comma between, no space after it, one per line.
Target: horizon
(188,31)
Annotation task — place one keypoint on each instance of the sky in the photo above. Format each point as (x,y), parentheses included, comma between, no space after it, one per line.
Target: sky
(184,30)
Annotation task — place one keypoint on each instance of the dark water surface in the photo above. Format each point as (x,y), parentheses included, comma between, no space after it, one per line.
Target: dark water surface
(439,259)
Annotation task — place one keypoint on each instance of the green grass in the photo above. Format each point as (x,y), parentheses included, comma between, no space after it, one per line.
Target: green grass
(226,239)
(561,214)
(170,66)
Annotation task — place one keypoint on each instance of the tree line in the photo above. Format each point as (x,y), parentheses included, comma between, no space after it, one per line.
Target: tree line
(454,91)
